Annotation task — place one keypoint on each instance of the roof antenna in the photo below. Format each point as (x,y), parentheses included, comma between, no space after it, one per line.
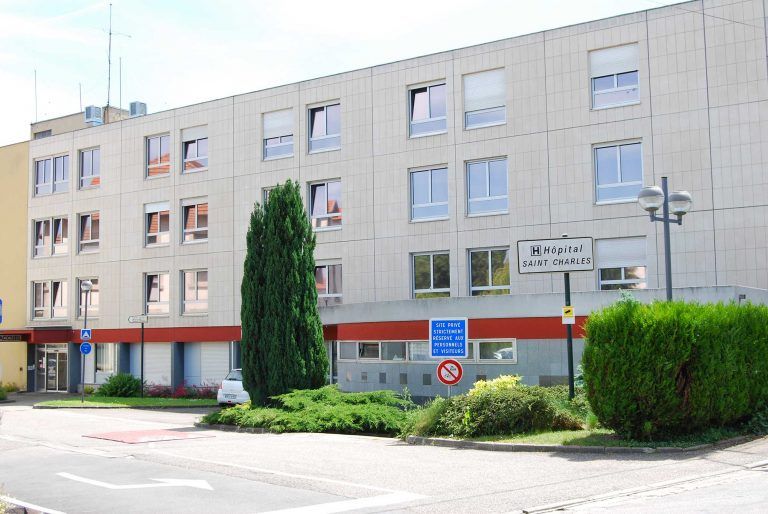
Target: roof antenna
(109,58)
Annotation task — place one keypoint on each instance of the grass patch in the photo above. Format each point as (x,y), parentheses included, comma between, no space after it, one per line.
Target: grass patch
(607,437)
(322,410)
(113,402)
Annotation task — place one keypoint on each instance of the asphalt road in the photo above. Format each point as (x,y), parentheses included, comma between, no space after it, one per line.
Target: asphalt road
(47,460)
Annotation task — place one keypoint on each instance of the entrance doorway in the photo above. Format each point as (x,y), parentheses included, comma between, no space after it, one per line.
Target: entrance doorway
(52,368)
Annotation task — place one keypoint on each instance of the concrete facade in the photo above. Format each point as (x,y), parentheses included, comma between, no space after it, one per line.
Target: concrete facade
(701,117)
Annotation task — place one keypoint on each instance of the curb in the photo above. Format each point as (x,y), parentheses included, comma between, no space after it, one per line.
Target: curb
(136,407)
(233,428)
(7,401)
(556,448)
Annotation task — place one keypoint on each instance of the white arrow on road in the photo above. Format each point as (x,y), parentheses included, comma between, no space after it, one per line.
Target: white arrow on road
(159,482)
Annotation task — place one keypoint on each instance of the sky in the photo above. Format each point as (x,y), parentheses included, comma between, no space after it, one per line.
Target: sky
(177,53)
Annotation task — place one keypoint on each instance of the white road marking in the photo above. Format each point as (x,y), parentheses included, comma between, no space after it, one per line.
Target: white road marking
(159,482)
(32,506)
(282,473)
(348,505)
(704,480)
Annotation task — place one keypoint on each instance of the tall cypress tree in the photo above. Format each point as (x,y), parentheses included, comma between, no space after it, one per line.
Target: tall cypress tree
(286,349)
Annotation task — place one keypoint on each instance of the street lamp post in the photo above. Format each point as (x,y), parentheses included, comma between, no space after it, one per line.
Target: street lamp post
(679,202)
(85,287)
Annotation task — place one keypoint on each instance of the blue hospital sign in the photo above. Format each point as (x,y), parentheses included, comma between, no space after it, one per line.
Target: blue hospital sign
(448,337)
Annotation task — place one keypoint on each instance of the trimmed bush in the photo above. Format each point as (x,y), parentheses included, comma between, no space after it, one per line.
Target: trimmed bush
(121,385)
(3,394)
(672,368)
(322,410)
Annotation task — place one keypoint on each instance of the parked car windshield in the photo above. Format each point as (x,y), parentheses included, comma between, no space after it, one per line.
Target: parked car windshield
(235,374)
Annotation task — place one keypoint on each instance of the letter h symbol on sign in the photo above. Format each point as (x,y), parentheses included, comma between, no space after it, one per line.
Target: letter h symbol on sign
(536,250)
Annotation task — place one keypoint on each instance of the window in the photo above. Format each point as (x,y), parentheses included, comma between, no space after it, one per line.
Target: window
(325,128)
(431,275)
(43,134)
(105,357)
(195,288)
(278,134)
(429,194)
(489,272)
(47,243)
(393,351)
(90,168)
(195,214)
(614,77)
(325,204)
(347,351)
(52,175)
(328,283)
(49,299)
(93,298)
(89,232)
(368,350)
(158,156)
(157,223)
(485,99)
(621,263)
(156,293)
(428,110)
(501,351)
(487,187)
(195,155)
(618,172)
(265,194)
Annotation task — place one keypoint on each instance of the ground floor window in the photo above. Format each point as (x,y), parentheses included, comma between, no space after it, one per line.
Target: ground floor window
(105,358)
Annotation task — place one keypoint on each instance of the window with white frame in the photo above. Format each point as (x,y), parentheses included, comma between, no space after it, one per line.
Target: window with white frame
(156,293)
(105,357)
(49,243)
(51,175)
(501,351)
(49,299)
(621,263)
(90,168)
(489,271)
(195,289)
(195,219)
(429,194)
(92,298)
(485,99)
(431,275)
(194,149)
(157,223)
(614,76)
(328,284)
(428,109)
(89,232)
(265,194)
(487,187)
(325,204)
(618,172)
(278,134)
(158,158)
(325,128)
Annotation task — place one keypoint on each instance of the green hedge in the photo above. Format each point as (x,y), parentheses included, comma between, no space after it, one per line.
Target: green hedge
(670,368)
(121,385)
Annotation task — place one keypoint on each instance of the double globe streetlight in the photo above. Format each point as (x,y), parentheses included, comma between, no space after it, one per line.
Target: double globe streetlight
(679,203)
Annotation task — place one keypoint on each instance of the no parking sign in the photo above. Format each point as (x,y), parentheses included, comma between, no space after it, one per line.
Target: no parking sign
(449,372)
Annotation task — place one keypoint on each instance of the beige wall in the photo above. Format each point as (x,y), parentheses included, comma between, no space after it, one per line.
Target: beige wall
(13,241)
(702,119)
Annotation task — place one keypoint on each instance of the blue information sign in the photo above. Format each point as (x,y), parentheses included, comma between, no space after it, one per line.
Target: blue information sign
(1,310)
(448,337)
(85,348)
(85,334)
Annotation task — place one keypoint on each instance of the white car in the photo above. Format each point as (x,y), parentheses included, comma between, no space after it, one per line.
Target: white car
(231,390)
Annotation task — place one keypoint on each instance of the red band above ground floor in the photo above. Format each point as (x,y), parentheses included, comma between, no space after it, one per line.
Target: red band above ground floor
(482,328)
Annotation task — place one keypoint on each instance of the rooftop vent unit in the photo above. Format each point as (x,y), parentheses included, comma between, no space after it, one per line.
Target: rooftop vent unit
(94,115)
(138,109)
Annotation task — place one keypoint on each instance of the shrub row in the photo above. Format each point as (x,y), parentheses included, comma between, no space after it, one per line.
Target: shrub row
(322,410)
(670,368)
(124,385)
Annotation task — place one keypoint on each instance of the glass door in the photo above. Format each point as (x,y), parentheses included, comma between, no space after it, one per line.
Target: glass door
(51,369)
(62,371)
(40,368)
